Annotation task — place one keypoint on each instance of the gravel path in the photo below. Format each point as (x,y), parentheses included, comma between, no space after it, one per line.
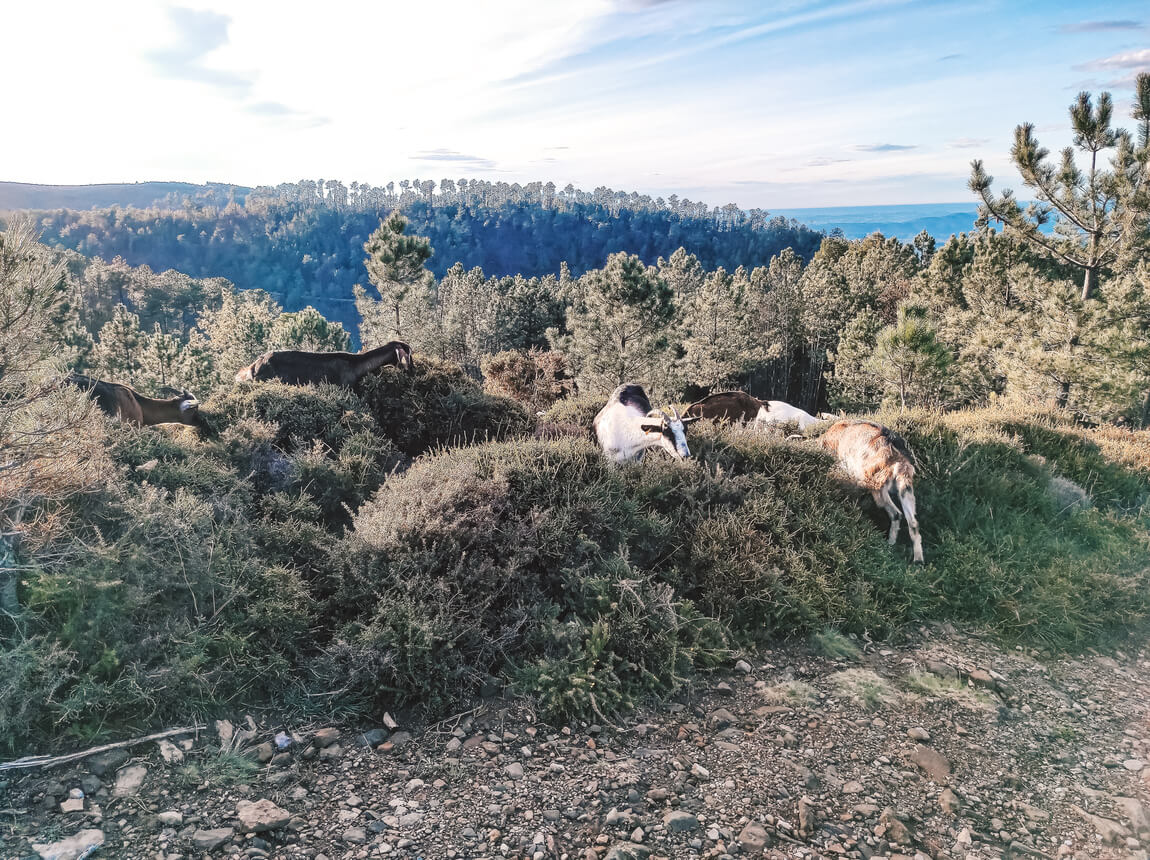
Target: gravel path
(943,746)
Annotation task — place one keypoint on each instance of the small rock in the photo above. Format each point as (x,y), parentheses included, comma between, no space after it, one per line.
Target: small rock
(942,670)
(261,816)
(171,818)
(283,740)
(71,848)
(355,835)
(325,737)
(210,840)
(982,678)
(330,753)
(896,831)
(948,801)
(743,666)
(918,734)
(807,816)
(623,851)
(853,787)
(700,772)
(265,752)
(514,770)
(1134,764)
(398,739)
(129,780)
(169,752)
(720,719)
(678,821)
(753,839)
(932,763)
(1111,831)
(372,738)
(72,804)
(1136,812)
(1034,814)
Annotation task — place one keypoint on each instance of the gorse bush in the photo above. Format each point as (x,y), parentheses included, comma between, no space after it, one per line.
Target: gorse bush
(439,405)
(264,564)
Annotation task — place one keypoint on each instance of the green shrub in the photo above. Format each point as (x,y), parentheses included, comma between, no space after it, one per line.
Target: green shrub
(212,575)
(571,417)
(439,405)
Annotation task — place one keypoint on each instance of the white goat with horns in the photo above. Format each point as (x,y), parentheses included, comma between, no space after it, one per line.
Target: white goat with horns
(627,426)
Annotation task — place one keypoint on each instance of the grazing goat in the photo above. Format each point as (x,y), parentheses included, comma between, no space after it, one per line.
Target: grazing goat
(742,407)
(339,368)
(878,460)
(132,407)
(627,426)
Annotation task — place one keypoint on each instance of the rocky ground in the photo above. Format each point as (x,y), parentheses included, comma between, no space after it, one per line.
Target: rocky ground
(943,746)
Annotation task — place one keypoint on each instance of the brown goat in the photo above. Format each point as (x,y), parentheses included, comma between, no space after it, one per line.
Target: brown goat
(132,407)
(339,368)
(727,406)
(878,460)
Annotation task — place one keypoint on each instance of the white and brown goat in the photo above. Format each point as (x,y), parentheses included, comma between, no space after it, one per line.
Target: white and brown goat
(877,459)
(627,426)
(740,407)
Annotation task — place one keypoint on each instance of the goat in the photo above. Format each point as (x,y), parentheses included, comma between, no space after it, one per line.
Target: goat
(627,426)
(742,407)
(727,406)
(296,367)
(132,407)
(778,412)
(878,460)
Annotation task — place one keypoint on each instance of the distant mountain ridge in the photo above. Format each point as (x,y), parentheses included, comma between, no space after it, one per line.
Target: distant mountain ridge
(902,221)
(140,195)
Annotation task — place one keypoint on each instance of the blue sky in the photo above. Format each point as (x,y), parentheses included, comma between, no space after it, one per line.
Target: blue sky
(774,105)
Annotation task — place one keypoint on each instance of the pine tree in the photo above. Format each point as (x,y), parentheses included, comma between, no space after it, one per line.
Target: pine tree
(1100,216)
(160,360)
(395,266)
(910,360)
(240,329)
(307,330)
(717,332)
(48,446)
(854,386)
(119,347)
(619,327)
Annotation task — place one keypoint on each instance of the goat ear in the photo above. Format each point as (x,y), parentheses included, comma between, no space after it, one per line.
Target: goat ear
(651,428)
(690,419)
(188,405)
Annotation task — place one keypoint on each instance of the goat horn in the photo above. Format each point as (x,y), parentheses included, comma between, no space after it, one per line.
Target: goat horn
(677,416)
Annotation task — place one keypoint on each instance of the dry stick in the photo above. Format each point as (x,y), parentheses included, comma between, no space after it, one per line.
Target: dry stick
(50,761)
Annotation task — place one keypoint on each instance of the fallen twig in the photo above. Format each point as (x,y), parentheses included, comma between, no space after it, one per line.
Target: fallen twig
(52,761)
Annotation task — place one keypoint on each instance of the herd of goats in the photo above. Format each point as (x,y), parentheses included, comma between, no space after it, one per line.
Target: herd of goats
(873,456)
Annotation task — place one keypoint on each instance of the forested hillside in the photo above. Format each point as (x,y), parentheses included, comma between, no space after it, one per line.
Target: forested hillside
(303,243)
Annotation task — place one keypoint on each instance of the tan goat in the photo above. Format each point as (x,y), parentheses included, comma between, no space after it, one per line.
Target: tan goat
(878,460)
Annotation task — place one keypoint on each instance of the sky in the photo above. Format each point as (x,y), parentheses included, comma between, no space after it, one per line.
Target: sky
(763,104)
